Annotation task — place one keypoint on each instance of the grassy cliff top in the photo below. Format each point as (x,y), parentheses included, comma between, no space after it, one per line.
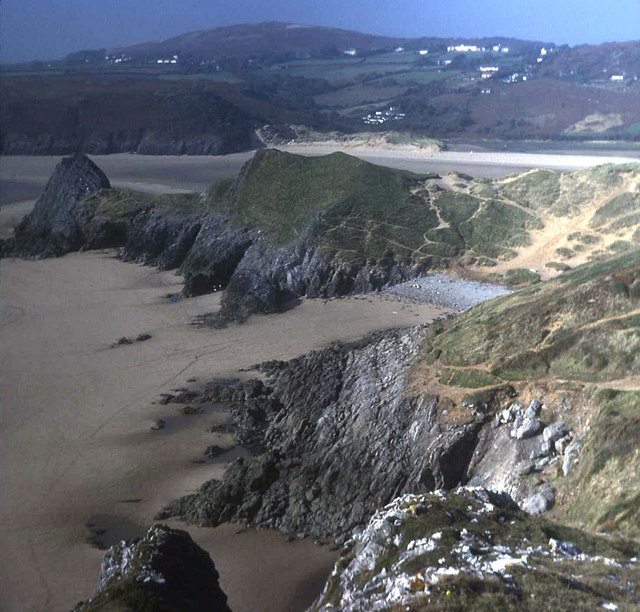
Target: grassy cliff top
(361,211)
(576,336)
(282,193)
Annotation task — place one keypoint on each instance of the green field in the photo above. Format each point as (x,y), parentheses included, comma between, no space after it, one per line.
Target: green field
(421,76)
(222,76)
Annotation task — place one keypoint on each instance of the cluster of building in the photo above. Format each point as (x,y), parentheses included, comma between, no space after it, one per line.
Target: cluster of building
(167,60)
(486,72)
(462,48)
(117,59)
(380,117)
(515,78)
(123,59)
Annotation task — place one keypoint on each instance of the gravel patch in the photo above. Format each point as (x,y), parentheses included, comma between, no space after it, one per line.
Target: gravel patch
(446,290)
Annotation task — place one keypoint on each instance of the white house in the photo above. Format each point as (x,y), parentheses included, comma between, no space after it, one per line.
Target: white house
(617,77)
(464,48)
(350,52)
(399,49)
(423,51)
(505,49)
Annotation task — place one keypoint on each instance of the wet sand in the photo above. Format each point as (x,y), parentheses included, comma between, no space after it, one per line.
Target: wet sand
(75,440)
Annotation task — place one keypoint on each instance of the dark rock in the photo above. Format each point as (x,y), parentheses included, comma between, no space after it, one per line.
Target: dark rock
(190,410)
(143,337)
(259,275)
(339,437)
(165,570)
(124,340)
(214,451)
(158,424)
(57,223)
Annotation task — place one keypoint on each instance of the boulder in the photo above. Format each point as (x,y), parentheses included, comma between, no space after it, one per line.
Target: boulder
(164,570)
(571,456)
(554,432)
(540,501)
(533,410)
(529,428)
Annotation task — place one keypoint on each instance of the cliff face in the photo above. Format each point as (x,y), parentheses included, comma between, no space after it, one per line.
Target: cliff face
(58,221)
(340,432)
(290,226)
(164,570)
(341,436)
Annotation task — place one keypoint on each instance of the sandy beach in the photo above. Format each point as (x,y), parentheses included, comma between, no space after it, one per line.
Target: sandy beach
(76,443)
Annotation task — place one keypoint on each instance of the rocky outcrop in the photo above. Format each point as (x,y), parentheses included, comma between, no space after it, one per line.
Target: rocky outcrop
(473,549)
(164,570)
(78,211)
(340,435)
(58,221)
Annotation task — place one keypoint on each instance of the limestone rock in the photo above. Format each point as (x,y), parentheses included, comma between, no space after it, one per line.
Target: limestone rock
(540,501)
(529,428)
(554,432)
(473,549)
(164,570)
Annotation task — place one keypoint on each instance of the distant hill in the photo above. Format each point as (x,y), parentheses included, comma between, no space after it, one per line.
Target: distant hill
(594,62)
(205,92)
(257,39)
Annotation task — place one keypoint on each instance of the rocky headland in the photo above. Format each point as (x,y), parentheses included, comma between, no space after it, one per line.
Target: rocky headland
(534,394)
(290,226)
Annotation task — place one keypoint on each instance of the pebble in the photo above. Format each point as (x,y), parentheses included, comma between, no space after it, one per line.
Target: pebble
(158,424)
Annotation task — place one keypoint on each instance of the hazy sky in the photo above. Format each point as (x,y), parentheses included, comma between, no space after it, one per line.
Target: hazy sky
(31,29)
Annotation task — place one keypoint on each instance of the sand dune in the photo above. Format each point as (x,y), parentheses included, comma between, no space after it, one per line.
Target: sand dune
(76,444)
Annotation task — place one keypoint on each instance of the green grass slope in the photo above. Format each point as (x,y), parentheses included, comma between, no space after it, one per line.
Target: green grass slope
(361,211)
(576,334)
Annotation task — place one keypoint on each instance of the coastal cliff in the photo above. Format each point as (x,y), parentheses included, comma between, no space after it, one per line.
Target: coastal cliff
(534,394)
(291,226)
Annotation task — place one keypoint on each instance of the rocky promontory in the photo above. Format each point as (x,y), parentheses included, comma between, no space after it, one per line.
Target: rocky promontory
(164,571)
(291,226)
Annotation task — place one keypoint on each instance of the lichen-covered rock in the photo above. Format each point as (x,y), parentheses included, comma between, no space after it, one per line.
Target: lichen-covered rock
(473,549)
(163,571)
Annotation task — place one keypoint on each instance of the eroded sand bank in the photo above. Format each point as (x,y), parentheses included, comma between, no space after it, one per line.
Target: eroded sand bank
(75,438)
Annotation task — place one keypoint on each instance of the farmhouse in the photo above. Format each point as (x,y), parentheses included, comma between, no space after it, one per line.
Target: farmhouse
(617,77)
(461,48)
